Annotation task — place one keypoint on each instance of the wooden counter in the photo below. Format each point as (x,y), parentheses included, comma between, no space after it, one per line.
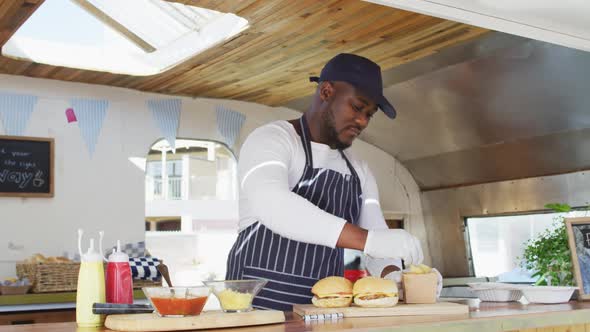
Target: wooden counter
(484,317)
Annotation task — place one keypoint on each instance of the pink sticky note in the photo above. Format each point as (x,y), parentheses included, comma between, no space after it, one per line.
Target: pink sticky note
(70,115)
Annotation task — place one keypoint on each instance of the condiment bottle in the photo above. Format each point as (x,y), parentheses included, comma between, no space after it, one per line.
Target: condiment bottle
(119,280)
(90,284)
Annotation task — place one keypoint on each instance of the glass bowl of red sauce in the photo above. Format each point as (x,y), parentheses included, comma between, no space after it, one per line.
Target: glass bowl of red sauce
(177,301)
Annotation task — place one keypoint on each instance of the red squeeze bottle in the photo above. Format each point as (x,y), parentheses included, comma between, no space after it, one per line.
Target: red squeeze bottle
(354,275)
(119,283)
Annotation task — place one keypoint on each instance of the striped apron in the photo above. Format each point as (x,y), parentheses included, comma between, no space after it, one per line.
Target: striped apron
(293,267)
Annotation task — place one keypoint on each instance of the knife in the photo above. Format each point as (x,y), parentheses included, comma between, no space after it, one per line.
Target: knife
(117,308)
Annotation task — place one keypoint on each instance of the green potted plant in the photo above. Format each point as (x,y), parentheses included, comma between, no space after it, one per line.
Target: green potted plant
(548,254)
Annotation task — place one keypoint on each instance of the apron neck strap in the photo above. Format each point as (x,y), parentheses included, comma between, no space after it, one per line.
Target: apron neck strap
(306,141)
(349,164)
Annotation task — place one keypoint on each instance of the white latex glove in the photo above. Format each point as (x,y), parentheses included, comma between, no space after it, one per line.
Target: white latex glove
(394,243)
(375,266)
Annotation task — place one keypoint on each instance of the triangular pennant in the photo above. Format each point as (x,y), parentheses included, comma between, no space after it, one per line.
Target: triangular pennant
(90,114)
(166,114)
(15,112)
(229,124)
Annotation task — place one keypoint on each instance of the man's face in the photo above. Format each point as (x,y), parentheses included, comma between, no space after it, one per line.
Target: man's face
(346,113)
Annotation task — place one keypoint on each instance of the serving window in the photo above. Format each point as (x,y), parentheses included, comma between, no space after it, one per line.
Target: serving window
(494,244)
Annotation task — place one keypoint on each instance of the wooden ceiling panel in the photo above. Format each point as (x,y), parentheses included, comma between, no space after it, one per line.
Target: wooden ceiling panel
(13,13)
(271,61)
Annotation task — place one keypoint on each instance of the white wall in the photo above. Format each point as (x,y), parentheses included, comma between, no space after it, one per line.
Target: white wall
(106,192)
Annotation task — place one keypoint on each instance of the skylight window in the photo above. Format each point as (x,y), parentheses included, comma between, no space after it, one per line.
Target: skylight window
(135,37)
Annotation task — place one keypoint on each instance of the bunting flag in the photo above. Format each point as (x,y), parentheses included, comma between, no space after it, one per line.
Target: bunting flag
(166,114)
(90,114)
(229,124)
(15,112)
(70,115)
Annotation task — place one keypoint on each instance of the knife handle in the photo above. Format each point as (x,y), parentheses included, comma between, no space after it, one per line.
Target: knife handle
(117,308)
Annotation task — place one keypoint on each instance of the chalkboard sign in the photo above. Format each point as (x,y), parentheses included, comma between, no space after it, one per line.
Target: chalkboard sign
(578,231)
(26,166)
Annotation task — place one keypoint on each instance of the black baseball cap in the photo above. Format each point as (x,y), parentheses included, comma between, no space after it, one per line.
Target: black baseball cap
(362,73)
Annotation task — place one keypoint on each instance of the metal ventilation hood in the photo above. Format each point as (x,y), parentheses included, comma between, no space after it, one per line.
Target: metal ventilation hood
(499,108)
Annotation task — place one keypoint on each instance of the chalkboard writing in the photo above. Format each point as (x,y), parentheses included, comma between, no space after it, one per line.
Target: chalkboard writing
(26,166)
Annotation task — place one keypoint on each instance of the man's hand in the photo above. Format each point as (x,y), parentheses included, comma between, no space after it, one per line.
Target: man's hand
(394,243)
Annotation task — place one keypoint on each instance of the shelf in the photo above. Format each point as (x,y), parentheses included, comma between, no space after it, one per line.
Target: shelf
(42,298)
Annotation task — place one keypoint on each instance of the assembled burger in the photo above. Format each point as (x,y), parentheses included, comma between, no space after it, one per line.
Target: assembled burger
(332,292)
(375,292)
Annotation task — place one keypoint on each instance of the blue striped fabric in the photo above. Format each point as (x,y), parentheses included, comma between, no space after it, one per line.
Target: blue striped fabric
(90,114)
(229,124)
(15,111)
(166,114)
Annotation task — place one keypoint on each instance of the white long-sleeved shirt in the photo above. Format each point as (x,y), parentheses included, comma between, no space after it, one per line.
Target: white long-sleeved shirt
(272,160)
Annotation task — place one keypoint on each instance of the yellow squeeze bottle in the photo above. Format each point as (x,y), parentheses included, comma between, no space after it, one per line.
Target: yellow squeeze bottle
(91,285)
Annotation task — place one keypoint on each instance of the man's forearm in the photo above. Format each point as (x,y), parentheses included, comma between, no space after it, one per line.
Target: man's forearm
(352,237)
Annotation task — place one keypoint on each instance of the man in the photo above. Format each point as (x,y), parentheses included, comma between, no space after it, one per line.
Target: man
(304,197)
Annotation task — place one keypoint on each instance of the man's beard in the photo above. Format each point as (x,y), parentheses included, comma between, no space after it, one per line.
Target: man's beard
(329,129)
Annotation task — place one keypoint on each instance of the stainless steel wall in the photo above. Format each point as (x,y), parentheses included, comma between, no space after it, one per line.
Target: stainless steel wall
(445,210)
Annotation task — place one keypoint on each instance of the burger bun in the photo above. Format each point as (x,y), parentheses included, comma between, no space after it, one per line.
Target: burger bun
(332,292)
(375,292)
(384,302)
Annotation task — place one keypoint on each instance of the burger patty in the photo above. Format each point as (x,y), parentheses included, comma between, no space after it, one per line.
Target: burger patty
(334,297)
(373,296)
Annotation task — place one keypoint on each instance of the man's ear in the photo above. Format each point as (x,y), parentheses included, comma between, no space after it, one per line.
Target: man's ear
(326,90)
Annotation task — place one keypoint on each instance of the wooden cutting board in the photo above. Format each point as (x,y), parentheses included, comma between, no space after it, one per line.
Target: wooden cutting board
(309,311)
(206,320)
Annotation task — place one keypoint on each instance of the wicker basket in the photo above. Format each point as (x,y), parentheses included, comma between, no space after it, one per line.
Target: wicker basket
(62,277)
(50,277)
